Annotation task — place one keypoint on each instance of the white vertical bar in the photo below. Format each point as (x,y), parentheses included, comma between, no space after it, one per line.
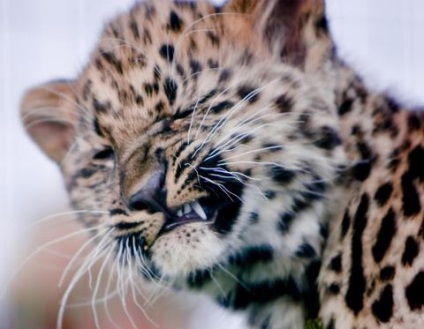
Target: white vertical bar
(6,231)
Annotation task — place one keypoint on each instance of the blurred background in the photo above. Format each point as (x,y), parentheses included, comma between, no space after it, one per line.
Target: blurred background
(48,39)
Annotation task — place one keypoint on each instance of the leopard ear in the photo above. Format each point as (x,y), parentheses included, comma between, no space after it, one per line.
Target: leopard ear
(294,28)
(50,118)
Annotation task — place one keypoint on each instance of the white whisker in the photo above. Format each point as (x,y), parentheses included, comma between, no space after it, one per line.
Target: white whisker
(233,141)
(232,173)
(205,116)
(108,296)
(133,286)
(161,289)
(260,163)
(221,290)
(234,277)
(192,119)
(90,261)
(230,113)
(122,43)
(223,189)
(97,287)
(62,214)
(125,287)
(80,250)
(269,148)
(39,249)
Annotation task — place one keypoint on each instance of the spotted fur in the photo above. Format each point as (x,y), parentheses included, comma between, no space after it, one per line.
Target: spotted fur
(311,185)
(371,263)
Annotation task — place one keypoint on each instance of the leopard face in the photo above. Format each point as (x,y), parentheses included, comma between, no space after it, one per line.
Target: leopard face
(196,154)
(191,140)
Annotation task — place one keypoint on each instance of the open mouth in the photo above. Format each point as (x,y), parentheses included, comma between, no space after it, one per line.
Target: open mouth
(219,209)
(193,212)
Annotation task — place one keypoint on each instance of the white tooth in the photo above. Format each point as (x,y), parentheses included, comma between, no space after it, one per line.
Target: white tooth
(199,210)
(180,212)
(187,208)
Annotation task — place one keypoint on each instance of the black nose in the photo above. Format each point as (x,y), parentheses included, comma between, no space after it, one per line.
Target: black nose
(151,196)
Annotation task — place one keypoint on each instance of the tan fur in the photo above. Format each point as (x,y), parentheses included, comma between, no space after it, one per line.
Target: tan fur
(245,109)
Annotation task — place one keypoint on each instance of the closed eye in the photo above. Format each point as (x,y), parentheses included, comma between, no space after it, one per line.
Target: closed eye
(106,154)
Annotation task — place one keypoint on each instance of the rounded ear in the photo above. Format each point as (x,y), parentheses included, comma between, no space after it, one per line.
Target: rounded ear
(293,27)
(50,118)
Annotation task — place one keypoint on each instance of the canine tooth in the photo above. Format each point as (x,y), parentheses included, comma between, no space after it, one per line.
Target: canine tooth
(180,212)
(187,208)
(199,210)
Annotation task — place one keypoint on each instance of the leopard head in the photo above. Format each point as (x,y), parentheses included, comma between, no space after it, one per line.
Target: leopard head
(197,132)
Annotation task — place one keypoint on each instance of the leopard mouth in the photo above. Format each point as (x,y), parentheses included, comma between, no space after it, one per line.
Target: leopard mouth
(219,209)
(199,211)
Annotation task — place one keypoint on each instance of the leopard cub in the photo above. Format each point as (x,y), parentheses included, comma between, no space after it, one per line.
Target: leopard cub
(231,152)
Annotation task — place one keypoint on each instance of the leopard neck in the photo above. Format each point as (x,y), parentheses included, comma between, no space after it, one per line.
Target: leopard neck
(374,128)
